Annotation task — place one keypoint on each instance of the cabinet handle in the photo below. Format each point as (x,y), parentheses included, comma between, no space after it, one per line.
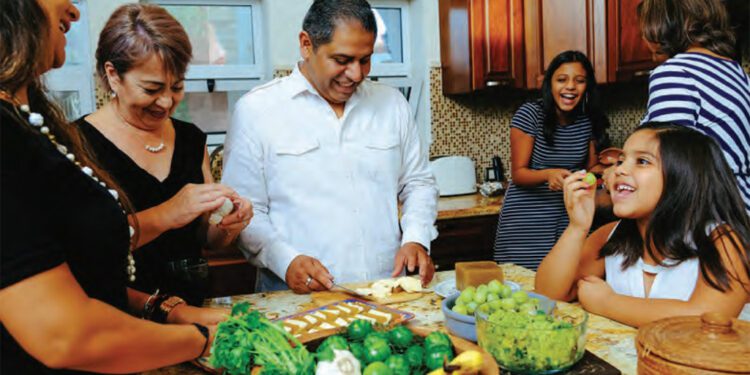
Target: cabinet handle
(492,83)
(641,73)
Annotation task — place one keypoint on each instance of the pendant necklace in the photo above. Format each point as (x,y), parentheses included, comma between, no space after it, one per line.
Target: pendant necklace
(146,146)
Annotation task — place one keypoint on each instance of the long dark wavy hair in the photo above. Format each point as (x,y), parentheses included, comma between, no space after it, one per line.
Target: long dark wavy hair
(676,25)
(24,48)
(590,105)
(699,192)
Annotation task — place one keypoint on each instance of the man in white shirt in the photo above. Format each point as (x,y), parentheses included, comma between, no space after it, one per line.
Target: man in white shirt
(325,157)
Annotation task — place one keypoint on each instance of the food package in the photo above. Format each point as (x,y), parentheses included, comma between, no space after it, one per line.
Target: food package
(477,273)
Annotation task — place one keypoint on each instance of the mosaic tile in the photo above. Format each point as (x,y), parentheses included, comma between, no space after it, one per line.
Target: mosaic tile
(478,125)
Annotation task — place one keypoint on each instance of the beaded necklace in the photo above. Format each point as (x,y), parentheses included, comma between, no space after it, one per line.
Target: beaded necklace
(36,121)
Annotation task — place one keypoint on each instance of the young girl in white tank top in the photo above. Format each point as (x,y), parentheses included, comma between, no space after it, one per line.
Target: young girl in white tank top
(681,246)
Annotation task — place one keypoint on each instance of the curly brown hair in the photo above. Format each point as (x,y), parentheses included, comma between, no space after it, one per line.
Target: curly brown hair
(676,25)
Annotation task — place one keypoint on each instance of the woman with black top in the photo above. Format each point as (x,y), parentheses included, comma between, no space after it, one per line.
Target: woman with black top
(161,163)
(66,241)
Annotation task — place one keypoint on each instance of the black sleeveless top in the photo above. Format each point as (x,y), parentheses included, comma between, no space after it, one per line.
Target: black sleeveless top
(52,213)
(146,191)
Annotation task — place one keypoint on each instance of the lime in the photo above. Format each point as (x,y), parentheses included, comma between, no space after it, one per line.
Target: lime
(377,368)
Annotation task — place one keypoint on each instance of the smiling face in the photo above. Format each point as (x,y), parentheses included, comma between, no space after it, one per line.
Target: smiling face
(638,180)
(336,68)
(568,86)
(146,94)
(60,15)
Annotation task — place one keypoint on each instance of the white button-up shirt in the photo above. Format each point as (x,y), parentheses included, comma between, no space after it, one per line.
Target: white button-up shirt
(329,187)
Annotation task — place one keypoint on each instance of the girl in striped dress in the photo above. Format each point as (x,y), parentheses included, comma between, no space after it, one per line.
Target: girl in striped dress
(549,138)
(699,86)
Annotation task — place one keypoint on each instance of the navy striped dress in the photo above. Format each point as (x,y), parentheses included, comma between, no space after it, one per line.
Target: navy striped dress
(711,95)
(533,218)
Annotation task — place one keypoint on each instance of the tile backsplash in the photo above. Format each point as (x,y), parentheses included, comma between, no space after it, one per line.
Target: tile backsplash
(478,125)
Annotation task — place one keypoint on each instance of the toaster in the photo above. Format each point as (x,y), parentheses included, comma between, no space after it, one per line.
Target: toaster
(455,175)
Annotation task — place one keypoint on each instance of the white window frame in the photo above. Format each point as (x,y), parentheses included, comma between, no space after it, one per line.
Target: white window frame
(78,78)
(402,69)
(222,72)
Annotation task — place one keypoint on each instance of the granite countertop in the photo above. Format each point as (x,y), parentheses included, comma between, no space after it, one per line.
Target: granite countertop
(468,205)
(609,340)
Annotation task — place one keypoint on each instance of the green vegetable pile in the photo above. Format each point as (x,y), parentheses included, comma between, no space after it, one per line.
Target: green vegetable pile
(248,339)
(523,339)
(395,351)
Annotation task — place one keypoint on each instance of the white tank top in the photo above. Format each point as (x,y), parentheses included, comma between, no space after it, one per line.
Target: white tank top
(670,282)
(677,282)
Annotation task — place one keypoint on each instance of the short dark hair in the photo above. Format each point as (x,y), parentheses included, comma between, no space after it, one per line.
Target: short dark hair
(320,20)
(675,25)
(699,191)
(590,105)
(134,33)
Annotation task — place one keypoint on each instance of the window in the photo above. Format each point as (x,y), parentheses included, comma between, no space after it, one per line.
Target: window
(391,57)
(227,59)
(72,85)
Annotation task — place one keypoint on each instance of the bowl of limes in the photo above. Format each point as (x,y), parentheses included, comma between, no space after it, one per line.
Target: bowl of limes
(527,341)
(459,308)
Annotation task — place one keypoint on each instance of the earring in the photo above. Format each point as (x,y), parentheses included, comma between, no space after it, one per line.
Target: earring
(112,94)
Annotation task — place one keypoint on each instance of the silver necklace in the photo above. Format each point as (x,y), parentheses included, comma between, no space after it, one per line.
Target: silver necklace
(36,120)
(149,148)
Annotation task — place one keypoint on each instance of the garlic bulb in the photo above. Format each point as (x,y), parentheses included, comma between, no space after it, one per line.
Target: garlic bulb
(343,363)
(220,212)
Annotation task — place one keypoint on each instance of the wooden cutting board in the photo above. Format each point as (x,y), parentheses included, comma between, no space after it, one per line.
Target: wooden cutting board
(326,297)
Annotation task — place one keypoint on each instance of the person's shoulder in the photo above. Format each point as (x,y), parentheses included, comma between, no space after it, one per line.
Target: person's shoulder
(530,111)
(382,93)
(271,90)
(191,130)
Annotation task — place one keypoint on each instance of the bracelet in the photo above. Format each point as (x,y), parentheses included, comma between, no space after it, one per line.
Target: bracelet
(204,331)
(148,307)
(165,306)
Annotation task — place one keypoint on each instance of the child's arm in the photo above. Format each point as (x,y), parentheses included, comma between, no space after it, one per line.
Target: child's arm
(597,296)
(573,256)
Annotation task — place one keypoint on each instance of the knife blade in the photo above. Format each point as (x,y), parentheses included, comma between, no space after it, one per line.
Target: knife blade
(351,291)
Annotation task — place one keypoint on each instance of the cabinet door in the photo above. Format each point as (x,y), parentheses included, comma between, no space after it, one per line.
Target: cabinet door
(628,55)
(463,240)
(502,45)
(554,26)
(481,44)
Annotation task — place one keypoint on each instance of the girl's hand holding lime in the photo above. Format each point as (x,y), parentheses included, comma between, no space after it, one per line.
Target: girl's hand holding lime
(579,199)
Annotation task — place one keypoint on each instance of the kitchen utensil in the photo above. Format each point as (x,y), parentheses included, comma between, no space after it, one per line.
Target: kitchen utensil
(455,175)
(497,166)
(350,291)
(708,344)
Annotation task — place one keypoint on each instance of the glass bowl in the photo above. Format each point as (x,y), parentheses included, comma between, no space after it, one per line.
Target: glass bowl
(527,342)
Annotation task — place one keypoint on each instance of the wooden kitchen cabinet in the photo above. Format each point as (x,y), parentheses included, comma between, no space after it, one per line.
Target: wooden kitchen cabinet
(554,26)
(511,42)
(629,56)
(464,239)
(481,44)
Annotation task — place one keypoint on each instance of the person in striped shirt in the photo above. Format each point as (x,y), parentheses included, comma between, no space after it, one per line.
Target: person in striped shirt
(699,85)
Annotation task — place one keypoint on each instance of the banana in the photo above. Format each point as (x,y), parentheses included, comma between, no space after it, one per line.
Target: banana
(466,363)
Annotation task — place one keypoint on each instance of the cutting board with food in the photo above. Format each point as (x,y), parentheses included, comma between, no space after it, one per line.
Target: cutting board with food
(384,292)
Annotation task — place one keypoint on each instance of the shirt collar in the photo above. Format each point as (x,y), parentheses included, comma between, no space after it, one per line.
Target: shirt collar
(299,84)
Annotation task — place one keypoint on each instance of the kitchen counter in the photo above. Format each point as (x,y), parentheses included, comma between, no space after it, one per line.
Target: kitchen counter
(468,206)
(609,340)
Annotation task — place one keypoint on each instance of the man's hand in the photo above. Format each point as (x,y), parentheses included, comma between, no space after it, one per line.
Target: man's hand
(306,274)
(414,255)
